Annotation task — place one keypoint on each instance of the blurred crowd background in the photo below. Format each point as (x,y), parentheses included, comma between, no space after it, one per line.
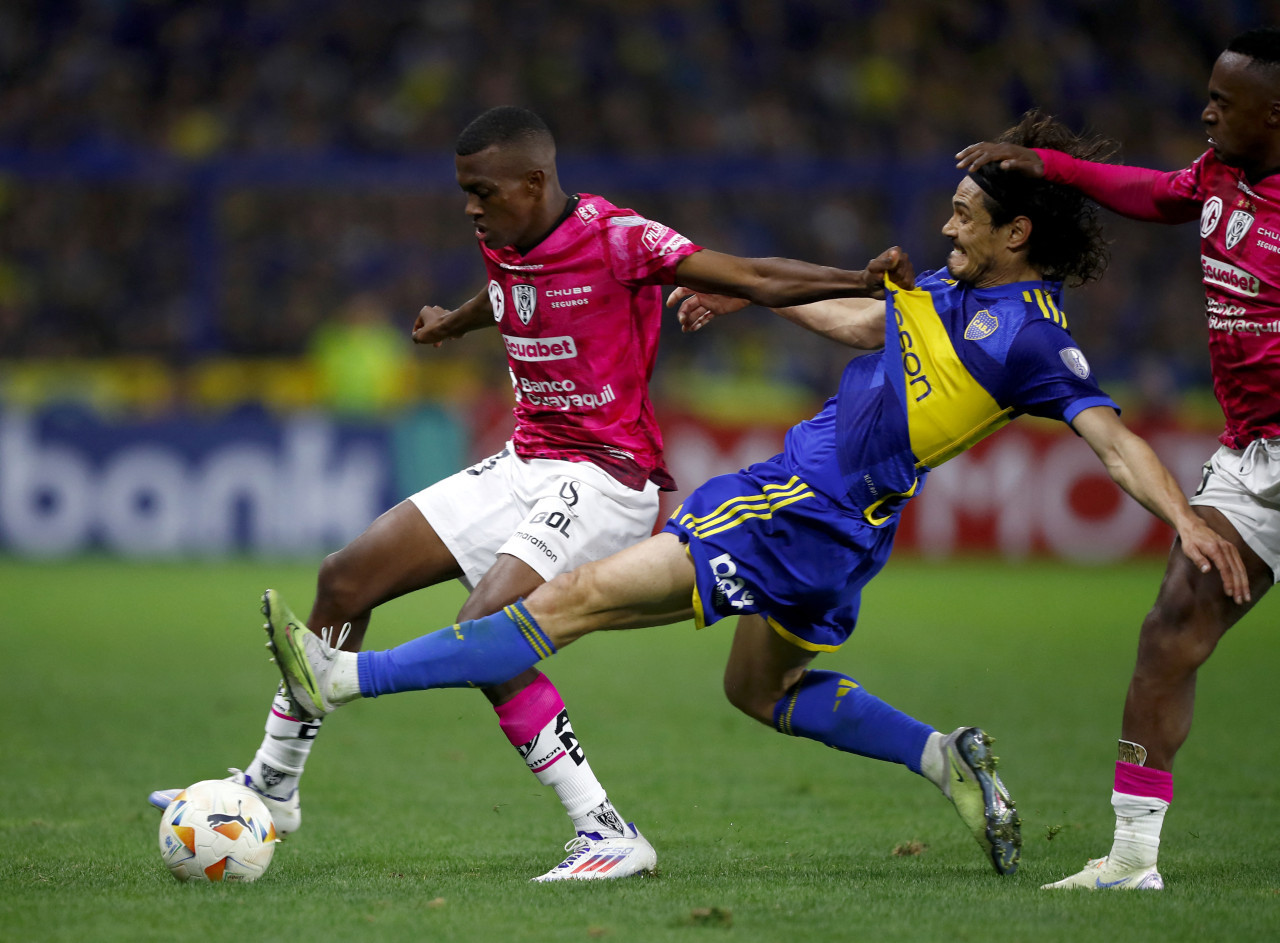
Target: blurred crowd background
(258,196)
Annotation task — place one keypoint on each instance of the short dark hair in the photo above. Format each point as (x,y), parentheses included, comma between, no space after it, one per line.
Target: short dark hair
(1067,242)
(502,125)
(1261,44)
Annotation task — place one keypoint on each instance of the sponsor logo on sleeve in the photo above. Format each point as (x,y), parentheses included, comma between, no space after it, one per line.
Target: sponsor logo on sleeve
(1209,216)
(1074,358)
(1226,276)
(587,212)
(628,221)
(653,235)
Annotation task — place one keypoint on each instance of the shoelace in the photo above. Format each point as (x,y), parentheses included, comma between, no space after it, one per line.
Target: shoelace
(327,633)
(576,847)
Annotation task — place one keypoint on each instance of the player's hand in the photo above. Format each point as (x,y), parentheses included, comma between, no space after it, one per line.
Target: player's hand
(893,264)
(698,308)
(430,327)
(1011,157)
(1208,549)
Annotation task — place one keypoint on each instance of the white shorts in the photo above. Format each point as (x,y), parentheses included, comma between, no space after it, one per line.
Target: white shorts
(553,515)
(1245,486)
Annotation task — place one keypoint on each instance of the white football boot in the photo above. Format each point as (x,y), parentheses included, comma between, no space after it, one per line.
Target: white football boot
(592,857)
(286,811)
(1099,874)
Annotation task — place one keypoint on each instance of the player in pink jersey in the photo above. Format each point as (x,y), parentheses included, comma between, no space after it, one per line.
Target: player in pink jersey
(574,286)
(1234,190)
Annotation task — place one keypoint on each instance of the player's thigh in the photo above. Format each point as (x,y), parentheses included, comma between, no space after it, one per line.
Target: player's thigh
(649,583)
(1243,489)
(473,513)
(1191,612)
(398,553)
(762,666)
(575,513)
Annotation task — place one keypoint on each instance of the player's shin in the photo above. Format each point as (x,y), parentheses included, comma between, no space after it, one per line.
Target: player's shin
(279,762)
(834,709)
(1141,797)
(479,653)
(537,724)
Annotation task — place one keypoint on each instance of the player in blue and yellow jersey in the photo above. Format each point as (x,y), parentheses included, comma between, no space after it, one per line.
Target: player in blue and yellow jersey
(787,544)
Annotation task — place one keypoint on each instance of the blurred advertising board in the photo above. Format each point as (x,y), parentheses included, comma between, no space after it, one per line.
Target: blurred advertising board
(253,481)
(73,480)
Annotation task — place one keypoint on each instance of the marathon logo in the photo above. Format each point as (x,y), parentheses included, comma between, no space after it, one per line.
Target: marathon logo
(532,349)
(1229,277)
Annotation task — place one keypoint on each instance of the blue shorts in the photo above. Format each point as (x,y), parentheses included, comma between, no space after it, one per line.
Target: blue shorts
(762,541)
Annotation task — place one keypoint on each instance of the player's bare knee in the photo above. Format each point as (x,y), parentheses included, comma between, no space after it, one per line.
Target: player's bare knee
(748,696)
(335,587)
(1176,637)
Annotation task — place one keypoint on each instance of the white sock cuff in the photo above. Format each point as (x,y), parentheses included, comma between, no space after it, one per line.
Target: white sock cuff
(1133,807)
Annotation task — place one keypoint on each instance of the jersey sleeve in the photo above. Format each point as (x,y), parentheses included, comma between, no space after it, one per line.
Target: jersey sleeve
(644,252)
(1136,192)
(1049,376)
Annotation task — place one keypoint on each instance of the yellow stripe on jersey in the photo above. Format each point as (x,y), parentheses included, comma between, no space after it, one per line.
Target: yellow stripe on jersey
(745,507)
(1044,301)
(947,409)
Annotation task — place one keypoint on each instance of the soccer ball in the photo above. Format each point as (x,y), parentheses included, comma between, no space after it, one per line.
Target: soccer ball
(217,830)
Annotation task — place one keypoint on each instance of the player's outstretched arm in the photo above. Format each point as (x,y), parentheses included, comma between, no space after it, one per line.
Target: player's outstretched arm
(780,283)
(1134,467)
(854,322)
(434,325)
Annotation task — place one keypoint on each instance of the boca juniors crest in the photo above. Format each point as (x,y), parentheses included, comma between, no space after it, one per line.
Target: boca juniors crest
(526,299)
(983,325)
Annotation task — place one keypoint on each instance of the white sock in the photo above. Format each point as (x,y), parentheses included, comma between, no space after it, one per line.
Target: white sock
(536,723)
(1137,837)
(283,754)
(933,761)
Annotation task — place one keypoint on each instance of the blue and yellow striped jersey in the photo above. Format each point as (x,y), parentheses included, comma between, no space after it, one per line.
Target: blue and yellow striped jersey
(959,362)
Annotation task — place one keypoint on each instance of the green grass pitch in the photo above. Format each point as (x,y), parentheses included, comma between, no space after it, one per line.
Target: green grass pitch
(422,824)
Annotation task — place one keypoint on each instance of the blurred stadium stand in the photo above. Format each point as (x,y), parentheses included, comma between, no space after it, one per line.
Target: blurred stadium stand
(201,203)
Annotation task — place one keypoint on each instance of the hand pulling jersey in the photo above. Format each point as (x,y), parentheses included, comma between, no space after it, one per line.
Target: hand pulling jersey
(580,314)
(1239,262)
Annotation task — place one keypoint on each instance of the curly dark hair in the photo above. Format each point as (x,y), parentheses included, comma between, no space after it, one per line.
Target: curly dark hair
(1067,242)
(502,125)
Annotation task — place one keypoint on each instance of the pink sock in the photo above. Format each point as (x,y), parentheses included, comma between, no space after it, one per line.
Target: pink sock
(1134,780)
(524,716)
(537,724)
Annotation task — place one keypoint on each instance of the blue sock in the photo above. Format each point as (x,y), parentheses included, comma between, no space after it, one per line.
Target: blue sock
(478,653)
(833,709)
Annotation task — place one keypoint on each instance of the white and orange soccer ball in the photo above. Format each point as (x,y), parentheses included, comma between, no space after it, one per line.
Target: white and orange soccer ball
(216,830)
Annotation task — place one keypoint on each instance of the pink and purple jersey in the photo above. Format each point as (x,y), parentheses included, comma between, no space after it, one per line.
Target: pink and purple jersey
(1239,261)
(579,315)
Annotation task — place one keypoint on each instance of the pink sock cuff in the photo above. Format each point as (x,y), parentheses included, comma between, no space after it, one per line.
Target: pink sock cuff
(1134,780)
(524,716)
